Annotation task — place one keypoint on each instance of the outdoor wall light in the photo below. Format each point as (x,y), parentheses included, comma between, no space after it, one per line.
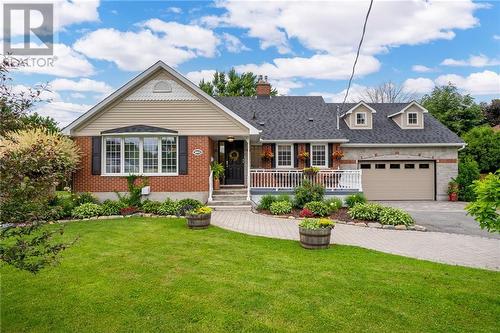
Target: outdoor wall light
(230,138)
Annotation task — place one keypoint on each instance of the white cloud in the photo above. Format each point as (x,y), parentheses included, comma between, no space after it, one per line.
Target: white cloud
(355,94)
(335,26)
(67,63)
(197,76)
(422,69)
(473,61)
(285,86)
(175,10)
(171,42)
(418,86)
(77,95)
(66,13)
(233,44)
(496,37)
(320,66)
(480,83)
(82,85)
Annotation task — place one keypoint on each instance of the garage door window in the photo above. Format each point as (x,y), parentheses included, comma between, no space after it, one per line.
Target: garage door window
(365,166)
(395,166)
(379,166)
(424,166)
(409,166)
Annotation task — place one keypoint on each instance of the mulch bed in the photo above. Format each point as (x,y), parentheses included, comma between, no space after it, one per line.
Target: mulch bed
(340,215)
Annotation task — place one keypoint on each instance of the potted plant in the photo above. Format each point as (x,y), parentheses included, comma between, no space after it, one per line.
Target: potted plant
(303,155)
(337,155)
(453,191)
(199,218)
(315,233)
(218,172)
(311,171)
(267,154)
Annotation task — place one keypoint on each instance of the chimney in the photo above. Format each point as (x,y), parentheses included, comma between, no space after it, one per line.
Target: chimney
(263,88)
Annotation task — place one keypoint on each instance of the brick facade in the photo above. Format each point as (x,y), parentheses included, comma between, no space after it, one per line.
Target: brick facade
(195,181)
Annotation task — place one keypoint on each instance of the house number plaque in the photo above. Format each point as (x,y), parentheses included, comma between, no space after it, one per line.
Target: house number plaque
(197,152)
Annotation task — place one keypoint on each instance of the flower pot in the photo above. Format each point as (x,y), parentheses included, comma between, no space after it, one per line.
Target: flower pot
(453,196)
(315,238)
(216,183)
(201,221)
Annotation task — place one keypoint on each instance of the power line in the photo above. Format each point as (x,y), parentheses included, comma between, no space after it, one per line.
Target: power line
(357,55)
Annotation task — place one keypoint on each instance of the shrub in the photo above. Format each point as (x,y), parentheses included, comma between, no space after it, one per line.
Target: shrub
(86,210)
(169,207)
(281,207)
(306,213)
(366,211)
(313,224)
(468,172)
(186,205)
(128,210)
(266,201)
(32,162)
(284,197)
(395,216)
(353,199)
(487,204)
(84,198)
(483,145)
(334,204)
(318,208)
(53,213)
(308,192)
(111,207)
(150,206)
(66,202)
(133,198)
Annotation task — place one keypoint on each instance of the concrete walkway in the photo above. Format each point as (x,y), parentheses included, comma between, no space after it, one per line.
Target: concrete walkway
(453,249)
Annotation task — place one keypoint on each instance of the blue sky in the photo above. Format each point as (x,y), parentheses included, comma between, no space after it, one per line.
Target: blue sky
(304,47)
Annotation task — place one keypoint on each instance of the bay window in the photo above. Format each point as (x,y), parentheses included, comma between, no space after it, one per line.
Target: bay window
(140,155)
(285,158)
(318,155)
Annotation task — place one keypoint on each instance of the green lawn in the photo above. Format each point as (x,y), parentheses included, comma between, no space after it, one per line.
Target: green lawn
(143,275)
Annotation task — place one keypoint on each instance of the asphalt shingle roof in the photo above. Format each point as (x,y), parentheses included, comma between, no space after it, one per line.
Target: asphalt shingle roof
(310,118)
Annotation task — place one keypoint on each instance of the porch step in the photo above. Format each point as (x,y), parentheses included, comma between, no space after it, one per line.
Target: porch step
(234,208)
(230,191)
(230,203)
(225,197)
(232,187)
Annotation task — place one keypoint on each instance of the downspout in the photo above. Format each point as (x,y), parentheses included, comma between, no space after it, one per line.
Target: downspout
(338,117)
(249,160)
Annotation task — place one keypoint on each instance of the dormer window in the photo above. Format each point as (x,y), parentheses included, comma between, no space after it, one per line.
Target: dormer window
(412,118)
(162,87)
(361,118)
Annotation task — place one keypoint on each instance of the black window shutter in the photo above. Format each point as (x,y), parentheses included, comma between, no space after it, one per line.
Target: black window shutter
(96,155)
(183,155)
(296,155)
(308,160)
(273,159)
(329,155)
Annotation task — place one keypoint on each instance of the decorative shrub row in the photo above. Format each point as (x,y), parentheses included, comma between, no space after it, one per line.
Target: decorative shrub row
(377,212)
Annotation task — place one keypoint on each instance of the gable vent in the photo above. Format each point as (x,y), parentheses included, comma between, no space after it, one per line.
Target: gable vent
(162,87)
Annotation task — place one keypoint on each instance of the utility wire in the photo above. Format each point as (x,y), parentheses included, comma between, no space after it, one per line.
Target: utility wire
(357,55)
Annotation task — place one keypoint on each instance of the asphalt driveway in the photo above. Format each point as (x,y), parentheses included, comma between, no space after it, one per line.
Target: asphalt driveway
(442,216)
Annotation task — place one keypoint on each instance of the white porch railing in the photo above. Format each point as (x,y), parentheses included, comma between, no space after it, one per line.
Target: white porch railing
(289,179)
(210,185)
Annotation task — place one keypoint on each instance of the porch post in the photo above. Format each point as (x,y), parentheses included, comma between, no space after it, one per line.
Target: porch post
(249,160)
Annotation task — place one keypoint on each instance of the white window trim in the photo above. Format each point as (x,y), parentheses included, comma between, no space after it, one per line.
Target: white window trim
(141,148)
(325,166)
(277,157)
(365,117)
(408,119)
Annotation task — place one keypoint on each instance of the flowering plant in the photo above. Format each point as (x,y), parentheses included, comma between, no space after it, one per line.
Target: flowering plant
(303,155)
(306,213)
(267,154)
(311,170)
(338,154)
(200,211)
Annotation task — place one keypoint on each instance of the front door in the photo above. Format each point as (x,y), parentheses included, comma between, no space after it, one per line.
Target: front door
(234,162)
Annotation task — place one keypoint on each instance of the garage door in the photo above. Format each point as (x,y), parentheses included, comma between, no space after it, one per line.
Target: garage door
(398,180)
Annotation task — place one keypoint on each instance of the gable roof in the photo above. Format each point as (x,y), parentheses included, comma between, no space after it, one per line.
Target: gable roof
(351,109)
(310,119)
(138,129)
(141,78)
(414,103)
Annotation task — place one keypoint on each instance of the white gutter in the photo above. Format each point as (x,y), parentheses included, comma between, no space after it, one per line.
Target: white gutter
(305,141)
(403,145)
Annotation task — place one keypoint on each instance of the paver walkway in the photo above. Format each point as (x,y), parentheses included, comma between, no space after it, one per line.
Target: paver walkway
(454,249)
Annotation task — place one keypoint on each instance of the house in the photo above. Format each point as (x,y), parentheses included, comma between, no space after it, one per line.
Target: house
(163,126)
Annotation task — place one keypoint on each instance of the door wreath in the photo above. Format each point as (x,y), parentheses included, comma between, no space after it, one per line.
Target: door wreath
(234,155)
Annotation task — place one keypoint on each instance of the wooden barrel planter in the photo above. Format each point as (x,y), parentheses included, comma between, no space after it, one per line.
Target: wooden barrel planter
(315,238)
(201,221)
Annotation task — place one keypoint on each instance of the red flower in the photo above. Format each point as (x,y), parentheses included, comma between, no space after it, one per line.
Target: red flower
(338,154)
(267,153)
(306,213)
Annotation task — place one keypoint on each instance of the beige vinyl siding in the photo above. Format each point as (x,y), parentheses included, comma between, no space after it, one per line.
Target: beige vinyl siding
(188,117)
(350,119)
(402,118)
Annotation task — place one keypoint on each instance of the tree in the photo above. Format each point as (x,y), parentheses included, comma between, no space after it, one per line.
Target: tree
(232,84)
(387,92)
(457,112)
(492,112)
(34,121)
(483,145)
(468,172)
(487,204)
